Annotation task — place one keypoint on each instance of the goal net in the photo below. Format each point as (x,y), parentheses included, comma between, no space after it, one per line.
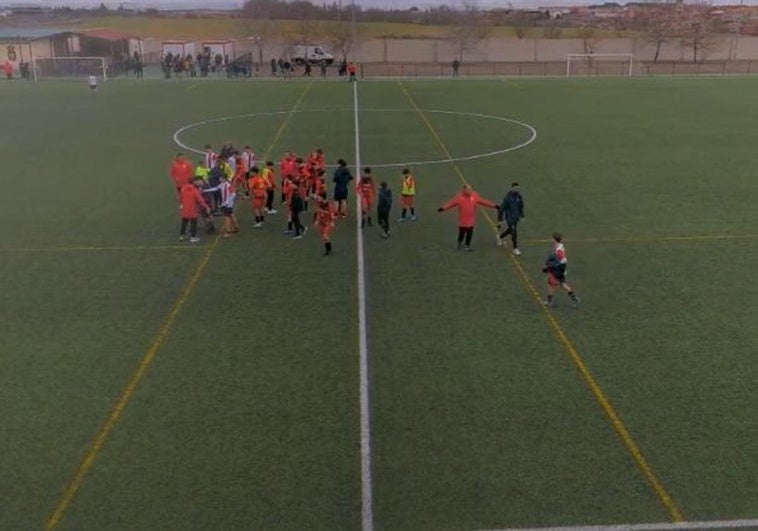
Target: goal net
(599,64)
(70,67)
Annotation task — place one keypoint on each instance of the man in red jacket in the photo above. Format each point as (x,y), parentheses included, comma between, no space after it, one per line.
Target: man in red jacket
(466,201)
(181,171)
(189,199)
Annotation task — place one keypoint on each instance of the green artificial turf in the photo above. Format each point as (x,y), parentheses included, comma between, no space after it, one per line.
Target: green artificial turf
(248,417)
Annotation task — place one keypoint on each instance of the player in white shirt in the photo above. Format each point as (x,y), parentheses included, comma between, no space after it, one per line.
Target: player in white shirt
(228,195)
(249,157)
(92,81)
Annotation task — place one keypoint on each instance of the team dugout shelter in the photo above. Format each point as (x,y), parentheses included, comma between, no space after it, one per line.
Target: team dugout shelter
(22,46)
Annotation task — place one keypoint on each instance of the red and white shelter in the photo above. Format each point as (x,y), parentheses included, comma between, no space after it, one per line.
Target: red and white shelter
(223,47)
(176,47)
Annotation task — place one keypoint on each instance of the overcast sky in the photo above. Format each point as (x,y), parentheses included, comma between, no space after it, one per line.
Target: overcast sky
(386,4)
(396,4)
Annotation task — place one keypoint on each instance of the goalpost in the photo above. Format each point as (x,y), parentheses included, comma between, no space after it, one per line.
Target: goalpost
(600,64)
(76,67)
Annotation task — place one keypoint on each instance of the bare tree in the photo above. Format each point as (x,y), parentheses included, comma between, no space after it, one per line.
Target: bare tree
(657,24)
(520,22)
(262,32)
(590,39)
(698,30)
(469,28)
(342,38)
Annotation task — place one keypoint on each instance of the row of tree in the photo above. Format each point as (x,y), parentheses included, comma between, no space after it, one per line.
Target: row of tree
(465,30)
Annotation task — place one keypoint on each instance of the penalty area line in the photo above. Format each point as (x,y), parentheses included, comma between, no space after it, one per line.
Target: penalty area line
(663,526)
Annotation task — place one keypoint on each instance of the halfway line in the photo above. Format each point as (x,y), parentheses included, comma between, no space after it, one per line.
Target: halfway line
(604,402)
(367,497)
(107,428)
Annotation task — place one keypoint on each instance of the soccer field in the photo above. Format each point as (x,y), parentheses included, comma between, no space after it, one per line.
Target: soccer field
(398,384)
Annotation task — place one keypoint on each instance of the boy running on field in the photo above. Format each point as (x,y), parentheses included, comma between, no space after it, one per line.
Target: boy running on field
(408,195)
(555,267)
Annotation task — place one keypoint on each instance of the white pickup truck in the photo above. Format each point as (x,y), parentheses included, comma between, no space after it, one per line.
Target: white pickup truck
(311,53)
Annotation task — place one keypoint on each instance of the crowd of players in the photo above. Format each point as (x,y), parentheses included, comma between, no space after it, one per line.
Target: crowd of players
(211,188)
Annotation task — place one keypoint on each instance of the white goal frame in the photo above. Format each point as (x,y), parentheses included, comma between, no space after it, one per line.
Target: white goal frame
(592,56)
(103,67)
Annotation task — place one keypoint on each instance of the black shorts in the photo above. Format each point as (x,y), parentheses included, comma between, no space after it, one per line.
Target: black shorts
(227,211)
(340,195)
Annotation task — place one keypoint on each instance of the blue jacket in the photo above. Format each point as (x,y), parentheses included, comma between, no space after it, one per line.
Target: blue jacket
(384,202)
(512,208)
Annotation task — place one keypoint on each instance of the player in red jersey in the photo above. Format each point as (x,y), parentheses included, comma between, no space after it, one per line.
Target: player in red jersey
(466,202)
(258,187)
(555,268)
(268,173)
(287,169)
(318,159)
(323,220)
(288,189)
(181,171)
(367,192)
(189,200)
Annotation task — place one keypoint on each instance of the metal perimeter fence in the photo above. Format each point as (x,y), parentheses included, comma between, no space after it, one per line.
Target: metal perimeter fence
(596,67)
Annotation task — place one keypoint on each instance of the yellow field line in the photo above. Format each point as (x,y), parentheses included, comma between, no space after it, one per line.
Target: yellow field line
(623,433)
(126,395)
(86,248)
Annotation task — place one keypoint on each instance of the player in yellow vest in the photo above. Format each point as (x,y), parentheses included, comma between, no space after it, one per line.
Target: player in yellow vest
(202,171)
(408,196)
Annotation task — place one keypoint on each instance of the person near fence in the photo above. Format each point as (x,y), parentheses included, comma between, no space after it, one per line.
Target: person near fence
(456,66)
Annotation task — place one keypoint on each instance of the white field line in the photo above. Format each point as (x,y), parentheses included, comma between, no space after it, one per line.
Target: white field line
(532,133)
(367,496)
(667,526)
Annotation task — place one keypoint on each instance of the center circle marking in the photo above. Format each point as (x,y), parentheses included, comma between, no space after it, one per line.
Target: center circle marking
(532,132)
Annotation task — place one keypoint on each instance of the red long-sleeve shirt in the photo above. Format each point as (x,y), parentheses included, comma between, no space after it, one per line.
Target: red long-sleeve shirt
(466,203)
(189,198)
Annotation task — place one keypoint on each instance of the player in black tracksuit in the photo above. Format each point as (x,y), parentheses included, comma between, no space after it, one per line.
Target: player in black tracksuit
(511,211)
(383,207)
